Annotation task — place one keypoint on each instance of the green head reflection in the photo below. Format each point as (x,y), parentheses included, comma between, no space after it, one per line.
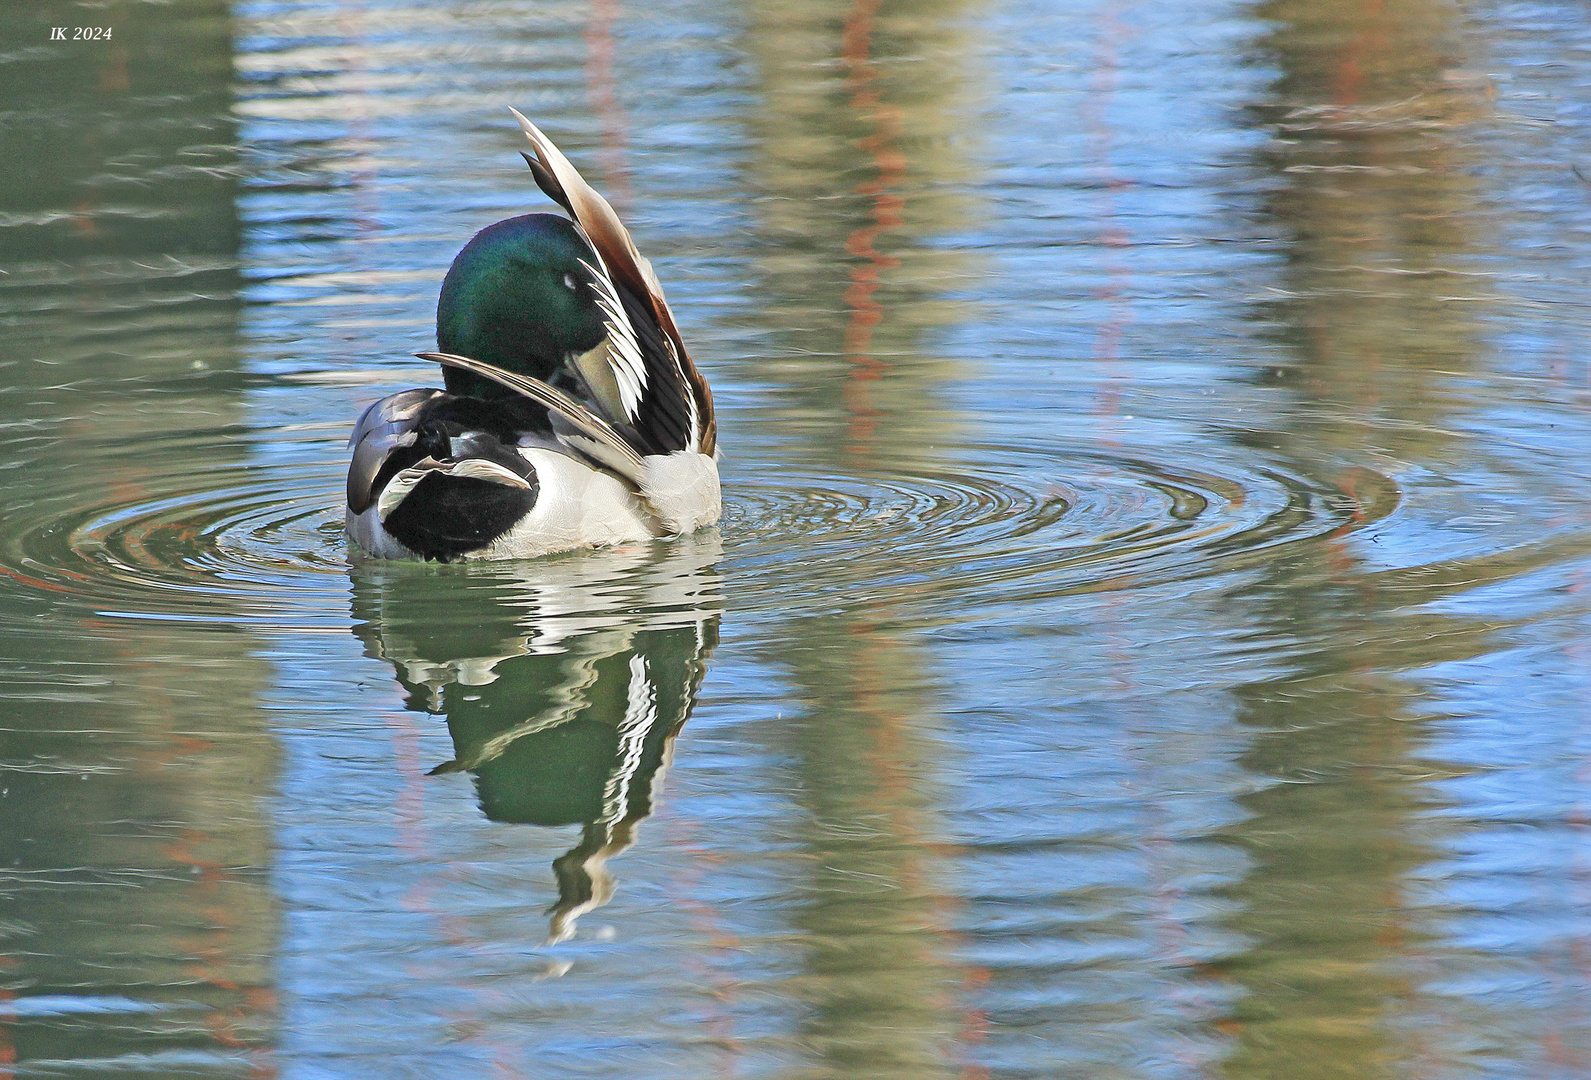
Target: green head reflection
(563,683)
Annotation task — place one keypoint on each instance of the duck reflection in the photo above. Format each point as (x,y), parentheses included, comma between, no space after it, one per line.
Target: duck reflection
(563,682)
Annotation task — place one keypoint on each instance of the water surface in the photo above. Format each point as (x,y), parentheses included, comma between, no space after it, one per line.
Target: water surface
(1144,639)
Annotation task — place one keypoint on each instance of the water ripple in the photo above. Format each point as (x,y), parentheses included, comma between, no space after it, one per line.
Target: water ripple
(263,541)
(1033,523)
(219,541)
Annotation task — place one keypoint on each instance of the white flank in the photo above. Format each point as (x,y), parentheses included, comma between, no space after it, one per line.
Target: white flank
(577,507)
(682,490)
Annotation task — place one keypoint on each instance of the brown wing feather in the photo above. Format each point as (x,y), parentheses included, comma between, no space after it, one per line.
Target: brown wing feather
(565,186)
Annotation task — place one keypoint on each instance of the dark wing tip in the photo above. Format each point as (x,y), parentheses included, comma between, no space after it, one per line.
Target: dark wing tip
(544,180)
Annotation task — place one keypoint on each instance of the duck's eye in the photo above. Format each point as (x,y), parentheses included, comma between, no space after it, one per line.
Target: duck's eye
(569,282)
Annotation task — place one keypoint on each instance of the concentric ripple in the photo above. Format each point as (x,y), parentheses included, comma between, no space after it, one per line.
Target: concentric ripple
(263,541)
(230,541)
(1033,523)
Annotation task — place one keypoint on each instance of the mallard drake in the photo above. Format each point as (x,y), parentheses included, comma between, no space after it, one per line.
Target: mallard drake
(572,415)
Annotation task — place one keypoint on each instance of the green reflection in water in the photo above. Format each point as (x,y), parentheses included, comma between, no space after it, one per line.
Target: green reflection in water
(563,681)
(122,146)
(133,838)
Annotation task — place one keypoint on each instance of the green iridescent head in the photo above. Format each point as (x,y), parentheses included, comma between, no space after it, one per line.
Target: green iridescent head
(518,297)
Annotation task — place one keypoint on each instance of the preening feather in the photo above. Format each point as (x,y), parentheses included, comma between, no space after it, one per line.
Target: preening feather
(614,449)
(675,410)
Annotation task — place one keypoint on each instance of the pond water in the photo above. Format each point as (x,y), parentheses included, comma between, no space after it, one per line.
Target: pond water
(1147,637)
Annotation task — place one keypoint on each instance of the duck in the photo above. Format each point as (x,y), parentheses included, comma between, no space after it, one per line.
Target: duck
(570,416)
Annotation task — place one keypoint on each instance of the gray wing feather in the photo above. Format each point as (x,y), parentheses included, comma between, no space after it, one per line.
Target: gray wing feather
(384,427)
